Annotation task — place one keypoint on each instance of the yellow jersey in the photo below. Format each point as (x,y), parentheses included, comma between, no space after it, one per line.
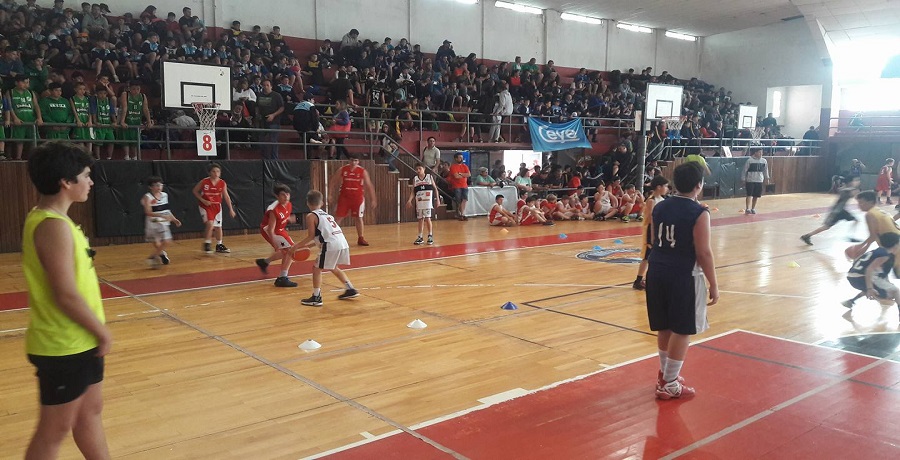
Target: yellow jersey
(884,223)
(50,331)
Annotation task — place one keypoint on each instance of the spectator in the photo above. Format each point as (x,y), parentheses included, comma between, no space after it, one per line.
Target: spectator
(96,25)
(350,46)
(458,179)
(810,141)
(523,182)
(431,155)
(483,179)
(269,107)
(502,108)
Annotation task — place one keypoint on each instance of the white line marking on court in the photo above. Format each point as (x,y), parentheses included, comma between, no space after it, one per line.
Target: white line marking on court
(122,315)
(367,435)
(778,407)
(504,396)
(13,330)
(761,294)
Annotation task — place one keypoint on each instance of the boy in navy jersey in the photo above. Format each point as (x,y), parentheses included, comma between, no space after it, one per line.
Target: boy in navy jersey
(869,273)
(676,291)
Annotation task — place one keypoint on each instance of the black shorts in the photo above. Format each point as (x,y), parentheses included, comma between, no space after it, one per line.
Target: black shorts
(879,284)
(676,301)
(63,379)
(754,189)
(837,216)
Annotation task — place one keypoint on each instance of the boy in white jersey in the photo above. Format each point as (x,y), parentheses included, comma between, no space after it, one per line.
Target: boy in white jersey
(426,195)
(158,219)
(324,231)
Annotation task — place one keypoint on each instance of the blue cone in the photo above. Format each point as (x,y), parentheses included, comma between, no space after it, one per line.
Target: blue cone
(509,306)
(598,248)
(619,242)
(563,236)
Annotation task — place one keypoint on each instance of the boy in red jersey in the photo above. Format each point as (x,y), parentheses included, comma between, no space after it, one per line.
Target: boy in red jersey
(210,192)
(274,229)
(353,181)
(529,214)
(500,216)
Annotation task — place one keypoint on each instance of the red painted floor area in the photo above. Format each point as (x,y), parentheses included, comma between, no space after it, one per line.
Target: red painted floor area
(14,300)
(614,414)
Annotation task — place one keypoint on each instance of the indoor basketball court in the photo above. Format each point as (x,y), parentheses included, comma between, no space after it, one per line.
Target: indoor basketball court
(206,360)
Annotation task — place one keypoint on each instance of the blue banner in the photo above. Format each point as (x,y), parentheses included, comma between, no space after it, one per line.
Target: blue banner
(547,137)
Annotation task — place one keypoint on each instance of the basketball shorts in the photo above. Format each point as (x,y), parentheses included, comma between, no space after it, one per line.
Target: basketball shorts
(676,301)
(281,241)
(604,208)
(350,205)
(329,259)
(647,246)
(212,214)
(2,133)
(754,189)
(56,133)
(129,134)
(529,219)
(424,213)
(837,216)
(498,220)
(883,287)
(83,134)
(62,379)
(104,134)
(157,231)
(21,132)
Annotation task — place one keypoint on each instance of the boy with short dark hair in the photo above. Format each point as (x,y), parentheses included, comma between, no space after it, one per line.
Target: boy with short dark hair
(529,214)
(500,216)
(24,108)
(157,221)
(426,195)
(274,229)
(81,113)
(659,187)
(676,293)
(869,273)
(56,109)
(755,176)
(103,117)
(67,337)
(211,192)
(133,111)
(838,210)
(324,231)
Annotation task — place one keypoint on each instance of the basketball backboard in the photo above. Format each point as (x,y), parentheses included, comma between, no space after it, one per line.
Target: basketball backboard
(663,101)
(184,84)
(747,116)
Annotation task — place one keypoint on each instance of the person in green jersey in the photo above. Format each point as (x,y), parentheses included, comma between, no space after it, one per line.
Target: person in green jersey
(67,337)
(4,111)
(24,112)
(81,111)
(103,114)
(37,73)
(134,110)
(57,110)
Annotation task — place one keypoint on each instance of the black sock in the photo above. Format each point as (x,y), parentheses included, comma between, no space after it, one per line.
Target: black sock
(639,278)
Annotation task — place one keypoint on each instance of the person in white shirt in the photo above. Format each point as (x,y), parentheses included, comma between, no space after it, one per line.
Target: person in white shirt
(755,177)
(426,195)
(502,108)
(431,155)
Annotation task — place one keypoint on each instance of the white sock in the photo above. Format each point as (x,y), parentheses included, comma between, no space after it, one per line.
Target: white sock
(284,273)
(420,235)
(207,241)
(663,358)
(349,284)
(673,368)
(219,242)
(317,292)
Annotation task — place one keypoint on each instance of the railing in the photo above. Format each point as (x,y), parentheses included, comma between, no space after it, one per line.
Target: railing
(862,123)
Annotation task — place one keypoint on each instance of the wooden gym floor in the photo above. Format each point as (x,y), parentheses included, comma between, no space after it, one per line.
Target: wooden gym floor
(206,363)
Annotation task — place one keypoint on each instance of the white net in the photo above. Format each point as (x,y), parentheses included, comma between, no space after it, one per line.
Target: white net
(757,133)
(673,126)
(206,113)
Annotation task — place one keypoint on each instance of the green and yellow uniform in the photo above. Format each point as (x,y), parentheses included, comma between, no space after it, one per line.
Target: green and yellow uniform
(57,111)
(103,111)
(22,104)
(37,79)
(134,115)
(82,106)
(50,331)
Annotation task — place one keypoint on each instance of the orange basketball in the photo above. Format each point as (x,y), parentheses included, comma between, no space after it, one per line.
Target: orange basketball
(301,254)
(853,252)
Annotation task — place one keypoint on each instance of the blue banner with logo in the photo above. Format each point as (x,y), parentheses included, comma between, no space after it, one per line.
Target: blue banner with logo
(547,137)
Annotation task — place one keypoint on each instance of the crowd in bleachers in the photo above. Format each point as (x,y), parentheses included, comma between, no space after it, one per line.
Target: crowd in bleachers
(392,80)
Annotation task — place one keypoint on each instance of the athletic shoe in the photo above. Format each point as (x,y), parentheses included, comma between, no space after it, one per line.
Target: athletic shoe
(207,248)
(674,390)
(747,212)
(640,218)
(312,301)
(638,285)
(164,258)
(847,303)
(548,223)
(430,239)
(752,211)
(362,242)
(625,219)
(806,239)
(221,249)
(661,383)
(153,262)
(263,265)
(349,294)
(419,240)
(284,281)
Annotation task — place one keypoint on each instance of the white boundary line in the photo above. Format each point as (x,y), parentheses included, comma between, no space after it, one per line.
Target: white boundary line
(502,397)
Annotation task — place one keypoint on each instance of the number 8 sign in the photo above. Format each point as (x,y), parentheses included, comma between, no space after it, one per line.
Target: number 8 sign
(206,142)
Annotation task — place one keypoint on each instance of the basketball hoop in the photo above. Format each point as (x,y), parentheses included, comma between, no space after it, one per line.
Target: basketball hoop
(757,133)
(206,114)
(673,126)
(206,132)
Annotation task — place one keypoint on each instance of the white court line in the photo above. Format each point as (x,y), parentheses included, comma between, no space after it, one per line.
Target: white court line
(13,330)
(618,286)
(503,397)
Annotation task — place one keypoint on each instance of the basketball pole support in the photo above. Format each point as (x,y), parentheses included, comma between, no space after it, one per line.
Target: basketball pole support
(642,166)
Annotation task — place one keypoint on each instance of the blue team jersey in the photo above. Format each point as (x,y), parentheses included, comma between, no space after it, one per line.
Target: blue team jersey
(858,270)
(673,240)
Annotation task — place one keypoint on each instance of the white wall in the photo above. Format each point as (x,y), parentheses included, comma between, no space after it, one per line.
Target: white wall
(490,32)
(750,61)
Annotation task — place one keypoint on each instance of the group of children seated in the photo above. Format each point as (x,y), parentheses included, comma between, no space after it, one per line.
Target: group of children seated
(609,202)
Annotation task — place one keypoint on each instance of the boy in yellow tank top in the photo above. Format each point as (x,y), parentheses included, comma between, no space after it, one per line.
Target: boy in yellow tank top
(66,338)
